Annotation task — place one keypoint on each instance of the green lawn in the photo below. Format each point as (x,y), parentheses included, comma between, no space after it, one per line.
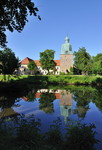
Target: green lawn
(57,79)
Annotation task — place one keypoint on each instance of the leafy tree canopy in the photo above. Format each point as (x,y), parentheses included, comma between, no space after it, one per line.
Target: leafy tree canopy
(32,66)
(47,60)
(13,16)
(46,102)
(82,60)
(97,64)
(8,61)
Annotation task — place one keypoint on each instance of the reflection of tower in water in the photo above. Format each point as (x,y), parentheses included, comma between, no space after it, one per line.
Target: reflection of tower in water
(65,104)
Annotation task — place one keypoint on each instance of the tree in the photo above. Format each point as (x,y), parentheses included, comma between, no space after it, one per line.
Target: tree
(97,64)
(46,102)
(82,61)
(97,98)
(8,61)
(83,99)
(13,16)
(32,66)
(47,60)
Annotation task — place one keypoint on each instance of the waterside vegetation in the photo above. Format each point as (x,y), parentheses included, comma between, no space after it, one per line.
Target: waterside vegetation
(42,80)
(24,134)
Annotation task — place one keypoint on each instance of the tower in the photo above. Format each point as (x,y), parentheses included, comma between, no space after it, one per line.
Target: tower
(65,104)
(66,56)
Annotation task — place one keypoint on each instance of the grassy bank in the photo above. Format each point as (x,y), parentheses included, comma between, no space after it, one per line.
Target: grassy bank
(56,79)
(76,79)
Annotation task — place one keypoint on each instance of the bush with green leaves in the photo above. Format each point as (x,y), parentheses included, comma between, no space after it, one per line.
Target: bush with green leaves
(25,134)
(80,136)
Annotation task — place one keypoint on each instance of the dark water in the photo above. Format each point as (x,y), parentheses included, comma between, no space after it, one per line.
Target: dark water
(75,103)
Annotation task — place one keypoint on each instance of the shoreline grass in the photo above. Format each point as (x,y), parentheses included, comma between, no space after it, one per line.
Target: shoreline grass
(55,79)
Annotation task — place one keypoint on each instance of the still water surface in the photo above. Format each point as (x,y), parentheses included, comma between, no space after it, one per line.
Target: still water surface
(75,103)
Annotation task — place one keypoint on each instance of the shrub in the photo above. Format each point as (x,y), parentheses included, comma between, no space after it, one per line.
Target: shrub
(80,136)
(24,134)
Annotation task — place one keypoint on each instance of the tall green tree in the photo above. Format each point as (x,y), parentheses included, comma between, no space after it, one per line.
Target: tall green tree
(82,61)
(32,67)
(97,64)
(13,16)
(47,60)
(8,61)
(82,97)
(46,102)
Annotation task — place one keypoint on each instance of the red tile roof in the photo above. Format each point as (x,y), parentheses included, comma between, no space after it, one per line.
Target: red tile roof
(27,60)
(56,94)
(57,62)
(37,62)
(39,94)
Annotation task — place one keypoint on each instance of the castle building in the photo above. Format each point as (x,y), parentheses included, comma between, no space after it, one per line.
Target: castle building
(62,65)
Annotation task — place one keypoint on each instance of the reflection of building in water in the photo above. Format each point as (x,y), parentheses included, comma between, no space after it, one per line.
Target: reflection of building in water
(39,92)
(65,104)
(8,112)
(65,98)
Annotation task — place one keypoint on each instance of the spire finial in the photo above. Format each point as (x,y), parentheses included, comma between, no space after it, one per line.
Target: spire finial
(66,39)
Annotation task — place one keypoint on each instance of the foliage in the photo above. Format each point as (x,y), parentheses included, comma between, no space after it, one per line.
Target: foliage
(97,98)
(25,81)
(83,99)
(13,16)
(82,61)
(47,60)
(71,72)
(53,136)
(31,95)
(32,66)
(97,64)
(24,133)
(62,73)
(46,102)
(5,136)
(8,61)
(80,136)
(75,79)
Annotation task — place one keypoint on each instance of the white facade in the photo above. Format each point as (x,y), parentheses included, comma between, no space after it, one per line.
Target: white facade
(23,69)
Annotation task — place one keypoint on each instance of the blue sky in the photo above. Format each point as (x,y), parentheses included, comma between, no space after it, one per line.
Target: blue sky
(81,20)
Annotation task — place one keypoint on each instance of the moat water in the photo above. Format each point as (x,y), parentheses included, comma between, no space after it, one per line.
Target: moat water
(69,103)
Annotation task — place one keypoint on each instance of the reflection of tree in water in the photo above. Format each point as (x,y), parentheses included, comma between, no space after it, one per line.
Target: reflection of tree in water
(31,96)
(83,99)
(6,103)
(81,111)
(97,98)
(11,99)
(46,102)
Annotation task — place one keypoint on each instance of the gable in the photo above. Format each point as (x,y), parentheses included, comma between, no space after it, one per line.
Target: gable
(25,61)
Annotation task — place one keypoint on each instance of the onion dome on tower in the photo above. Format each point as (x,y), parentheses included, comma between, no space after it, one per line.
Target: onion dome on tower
(66,47)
